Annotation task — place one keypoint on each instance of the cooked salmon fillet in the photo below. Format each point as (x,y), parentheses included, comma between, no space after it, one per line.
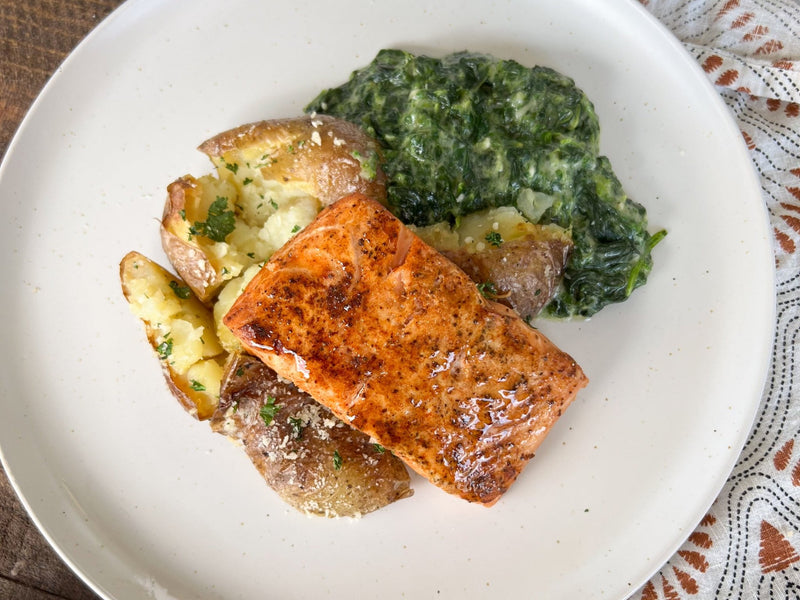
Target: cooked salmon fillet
(397,341)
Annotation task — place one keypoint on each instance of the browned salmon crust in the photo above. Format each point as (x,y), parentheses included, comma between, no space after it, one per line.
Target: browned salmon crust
(396,340)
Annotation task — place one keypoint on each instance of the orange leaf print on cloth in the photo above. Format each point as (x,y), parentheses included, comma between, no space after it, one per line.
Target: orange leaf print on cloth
(649,592)
(726,8)
(776,553)
(682,578)
(670,593)
(727,78)
(785,242)
(743,20)
(783,64)
(769,47)
(748,140)
(755,33)
(712,63)
(687,582)
(694,558)
(792,222)
(701,539)
(708,520)
(783,456)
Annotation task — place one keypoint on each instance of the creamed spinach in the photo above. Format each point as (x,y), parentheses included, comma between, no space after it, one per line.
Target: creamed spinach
(470,131)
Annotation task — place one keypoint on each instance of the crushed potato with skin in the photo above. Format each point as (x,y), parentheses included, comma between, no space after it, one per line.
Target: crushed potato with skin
(473,232)
(270,180)
(184,335)
(266,216)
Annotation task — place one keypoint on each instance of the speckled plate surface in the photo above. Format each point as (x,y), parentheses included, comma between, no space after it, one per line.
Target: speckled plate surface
(146,503)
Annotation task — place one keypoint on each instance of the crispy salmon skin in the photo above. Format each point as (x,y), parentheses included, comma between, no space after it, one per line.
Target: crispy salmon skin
(397,341)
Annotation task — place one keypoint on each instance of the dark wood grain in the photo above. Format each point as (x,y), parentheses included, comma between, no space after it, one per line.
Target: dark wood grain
(35,37)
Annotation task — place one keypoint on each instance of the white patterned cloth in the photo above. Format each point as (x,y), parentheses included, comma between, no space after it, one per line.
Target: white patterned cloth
(748,545)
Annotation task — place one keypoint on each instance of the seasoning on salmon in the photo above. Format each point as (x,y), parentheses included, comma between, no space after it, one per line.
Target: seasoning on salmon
(397,341)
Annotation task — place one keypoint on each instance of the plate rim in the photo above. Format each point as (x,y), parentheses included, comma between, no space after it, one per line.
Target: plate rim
(116,18)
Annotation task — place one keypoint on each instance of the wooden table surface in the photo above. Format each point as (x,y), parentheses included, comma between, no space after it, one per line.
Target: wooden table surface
(35,37)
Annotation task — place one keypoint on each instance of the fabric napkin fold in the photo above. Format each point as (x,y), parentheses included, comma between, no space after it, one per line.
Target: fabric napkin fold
(748,544)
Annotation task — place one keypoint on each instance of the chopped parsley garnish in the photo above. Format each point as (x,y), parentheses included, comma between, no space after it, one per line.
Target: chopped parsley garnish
(182,213)
(337,460)
(266,160)
(488,290)
(297,427)
(247,181)
(296,228)
(378,448)
(219,223)
(232,167)
(197,386)
(494,238)
(251,254)
(240,371)
(273,204)
(164,349)
(369,164)
(181,291)
(269,410)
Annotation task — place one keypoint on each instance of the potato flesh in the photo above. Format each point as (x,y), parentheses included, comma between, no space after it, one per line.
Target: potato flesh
(153,300)
(180,330)
(258,198)
(264,221)
(225,300)
(471,232)
(514,261)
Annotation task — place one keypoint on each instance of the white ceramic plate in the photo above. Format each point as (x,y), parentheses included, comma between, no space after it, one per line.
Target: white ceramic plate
(146,503)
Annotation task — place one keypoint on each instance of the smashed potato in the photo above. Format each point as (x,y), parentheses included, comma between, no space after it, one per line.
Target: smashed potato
(314,461)
(272,178)
(180,330)
(513,261)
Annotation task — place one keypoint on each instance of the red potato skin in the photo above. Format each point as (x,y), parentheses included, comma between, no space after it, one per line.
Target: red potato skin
(525,272)
(318,153)
(187,257)
(314,461)
(397,341)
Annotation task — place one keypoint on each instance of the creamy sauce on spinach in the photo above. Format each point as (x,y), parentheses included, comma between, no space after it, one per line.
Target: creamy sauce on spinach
(469,131)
